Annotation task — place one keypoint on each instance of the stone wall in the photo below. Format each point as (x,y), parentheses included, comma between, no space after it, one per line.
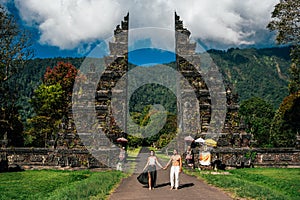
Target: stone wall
(36,158)
(288,157)
(255,157)
(27,158)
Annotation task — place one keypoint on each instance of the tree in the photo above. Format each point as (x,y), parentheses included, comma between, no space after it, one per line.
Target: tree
(11,127)
(48,100)
(51,102)
(294,84)
(42,127)
(14,46)
(286,122)
(14,52)
(286,21)
(64,74)
(258,115)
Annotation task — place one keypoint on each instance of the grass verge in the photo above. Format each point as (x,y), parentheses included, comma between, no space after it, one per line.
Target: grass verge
(256,183)
(53,184)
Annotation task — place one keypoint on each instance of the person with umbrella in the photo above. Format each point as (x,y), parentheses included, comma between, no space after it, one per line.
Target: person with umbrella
(122,159)
(189,157)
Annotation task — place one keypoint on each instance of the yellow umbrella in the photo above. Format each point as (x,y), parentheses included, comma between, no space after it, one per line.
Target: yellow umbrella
(211,142)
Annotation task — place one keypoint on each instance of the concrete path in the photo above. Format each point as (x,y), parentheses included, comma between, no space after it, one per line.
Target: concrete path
(190,187)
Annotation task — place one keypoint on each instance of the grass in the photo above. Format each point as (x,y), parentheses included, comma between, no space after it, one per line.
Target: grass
(53,184)
(257,183)
(62,185)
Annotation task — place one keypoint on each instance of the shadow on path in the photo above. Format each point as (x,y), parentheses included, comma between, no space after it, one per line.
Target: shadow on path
(162,185)
(186,185)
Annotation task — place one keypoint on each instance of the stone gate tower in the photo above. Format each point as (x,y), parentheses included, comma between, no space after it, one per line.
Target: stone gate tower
(188,64)
(209,91)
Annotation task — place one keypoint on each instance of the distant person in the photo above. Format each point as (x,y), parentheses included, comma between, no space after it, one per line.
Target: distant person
(176,168)
(189,157)
(150,168)
(122,159)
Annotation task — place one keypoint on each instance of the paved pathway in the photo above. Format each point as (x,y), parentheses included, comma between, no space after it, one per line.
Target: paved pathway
(190,187)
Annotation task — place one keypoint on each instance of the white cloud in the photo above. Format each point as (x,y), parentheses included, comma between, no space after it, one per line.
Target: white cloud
(67,23)
(230,22)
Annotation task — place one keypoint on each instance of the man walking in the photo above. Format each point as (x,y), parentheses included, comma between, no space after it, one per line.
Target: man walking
(176,168)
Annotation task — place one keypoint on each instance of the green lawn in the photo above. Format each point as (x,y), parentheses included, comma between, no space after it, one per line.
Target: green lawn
(257,183)
(57,184)
(53,184)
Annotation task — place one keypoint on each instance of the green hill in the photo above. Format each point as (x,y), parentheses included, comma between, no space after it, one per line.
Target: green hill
(252,72)
(255,72)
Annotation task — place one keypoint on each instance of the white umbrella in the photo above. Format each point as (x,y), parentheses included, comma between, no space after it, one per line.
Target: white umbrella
(200,140)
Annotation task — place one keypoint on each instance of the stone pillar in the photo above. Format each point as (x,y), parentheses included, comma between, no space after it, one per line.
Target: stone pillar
(205,87)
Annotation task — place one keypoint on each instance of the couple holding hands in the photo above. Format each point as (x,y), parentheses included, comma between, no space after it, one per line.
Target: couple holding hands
(176,168)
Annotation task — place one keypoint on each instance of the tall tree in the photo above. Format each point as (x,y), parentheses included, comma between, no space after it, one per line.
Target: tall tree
(286,122)
(51,102)
(14,46)
(14,52)
(286,21)
(65,75)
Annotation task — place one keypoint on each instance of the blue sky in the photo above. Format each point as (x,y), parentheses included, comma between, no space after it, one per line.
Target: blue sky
(62,28)
(150,56)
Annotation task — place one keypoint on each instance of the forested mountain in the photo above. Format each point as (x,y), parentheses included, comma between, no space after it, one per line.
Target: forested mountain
(256,72)
(252,72)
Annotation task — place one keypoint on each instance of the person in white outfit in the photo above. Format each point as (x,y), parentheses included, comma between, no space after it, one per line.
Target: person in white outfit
(176,168)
